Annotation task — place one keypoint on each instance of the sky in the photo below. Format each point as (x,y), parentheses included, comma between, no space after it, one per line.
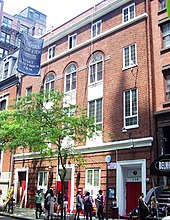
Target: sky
(58,12)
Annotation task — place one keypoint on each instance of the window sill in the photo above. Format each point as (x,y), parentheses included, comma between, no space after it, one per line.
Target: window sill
(129,67)
(166,104)
(165,49)
(161,11)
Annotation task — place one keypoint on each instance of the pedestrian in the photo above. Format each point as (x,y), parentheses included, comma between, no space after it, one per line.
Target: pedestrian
(46,204)
(38,200)
(79,204)
(101,202)
(143,209)
(153,207)
(96,204)
(59,202)
(65,203)
(88,207)
(51,201)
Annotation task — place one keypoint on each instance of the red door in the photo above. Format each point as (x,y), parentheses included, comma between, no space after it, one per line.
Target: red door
(133,190)
(67,186)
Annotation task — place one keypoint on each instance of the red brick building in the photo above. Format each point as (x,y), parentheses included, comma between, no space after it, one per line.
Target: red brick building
(111,60)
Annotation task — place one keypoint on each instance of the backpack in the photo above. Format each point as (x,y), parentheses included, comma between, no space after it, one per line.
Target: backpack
(88,204)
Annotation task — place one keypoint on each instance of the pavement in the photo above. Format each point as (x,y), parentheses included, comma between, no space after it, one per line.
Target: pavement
(27,213)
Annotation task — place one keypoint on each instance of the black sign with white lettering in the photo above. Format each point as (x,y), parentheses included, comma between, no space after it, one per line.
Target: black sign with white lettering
(161,166)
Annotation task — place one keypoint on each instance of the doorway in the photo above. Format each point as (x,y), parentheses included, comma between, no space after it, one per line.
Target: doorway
(133,190)
(20,190)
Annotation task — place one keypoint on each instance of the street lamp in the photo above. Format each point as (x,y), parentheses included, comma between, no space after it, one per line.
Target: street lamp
(107,159)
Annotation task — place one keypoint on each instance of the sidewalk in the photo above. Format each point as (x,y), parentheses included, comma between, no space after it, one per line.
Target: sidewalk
(26,213)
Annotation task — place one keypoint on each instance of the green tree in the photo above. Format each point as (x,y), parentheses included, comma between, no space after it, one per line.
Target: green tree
(44,118)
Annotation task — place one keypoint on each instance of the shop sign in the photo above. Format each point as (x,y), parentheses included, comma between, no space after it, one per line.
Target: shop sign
(161,166)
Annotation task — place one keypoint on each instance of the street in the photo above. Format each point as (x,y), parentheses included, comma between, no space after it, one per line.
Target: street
(6,218)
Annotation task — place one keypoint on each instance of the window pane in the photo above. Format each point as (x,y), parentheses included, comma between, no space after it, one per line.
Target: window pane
(99,71)
(127,103)
(68,83)
(92,74)
(89,177)
(40,178)
(132,12)
(96,177)
(73,81)
(92,108)
(133,55)
(126,54)
(126,15)
(99,110)
(134,102)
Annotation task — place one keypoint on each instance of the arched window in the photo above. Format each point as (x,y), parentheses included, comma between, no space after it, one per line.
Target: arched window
(96,68)
(49,82)
(70,80)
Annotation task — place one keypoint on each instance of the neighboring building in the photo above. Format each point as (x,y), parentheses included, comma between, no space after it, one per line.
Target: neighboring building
(108,60)
(28,20)
(34,23)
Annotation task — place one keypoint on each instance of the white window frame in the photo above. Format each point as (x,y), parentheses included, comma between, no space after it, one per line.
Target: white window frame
(49,83)
(132,62)
(166,34)
(51,51)
(92,188)
(28,90)
(4,99)
(43,186)
(71,73)
(94,62)
(132,115)
(128,13)
(95,111)
(72,40)
(167,84)
(6,69)
(98,28)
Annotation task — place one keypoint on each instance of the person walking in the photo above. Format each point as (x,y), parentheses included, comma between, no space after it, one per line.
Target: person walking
(97,205)
(46,204)
(101,202)
(65,203)
(88,206)
(59,202)
(79,204)
(143,209)
(38,200)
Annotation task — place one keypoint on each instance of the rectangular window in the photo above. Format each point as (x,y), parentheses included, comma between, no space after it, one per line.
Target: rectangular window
(24,28)
(5,37)
(29,90)
(128,13)
(6,70)
(96,28)
(96,110)
(7,22)
(40,31)
(72,40)
(162,4)
(51,52)
(129,56)
(167,84)
(130,108)
(93,181)
(166,34)
(3,104)
(3,52)
(42,179)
